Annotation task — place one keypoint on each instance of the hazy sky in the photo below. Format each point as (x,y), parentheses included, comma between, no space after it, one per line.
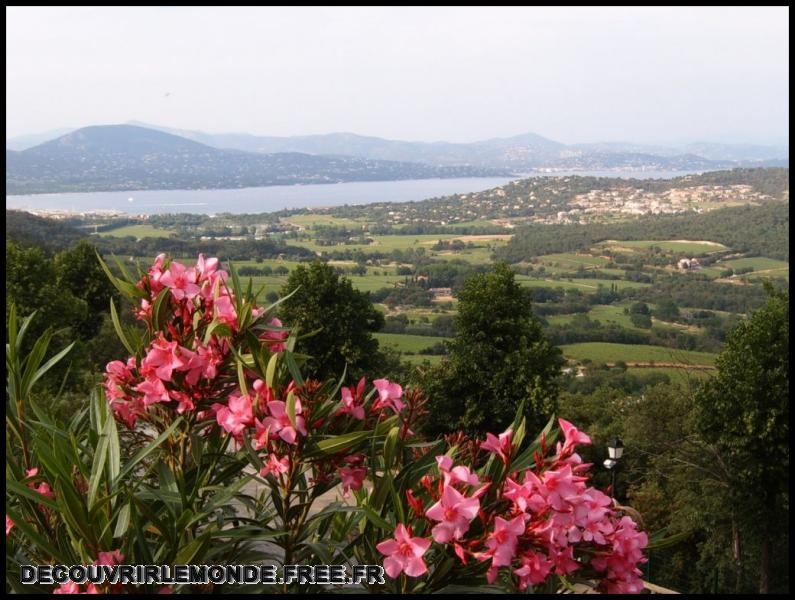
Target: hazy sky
(458,74)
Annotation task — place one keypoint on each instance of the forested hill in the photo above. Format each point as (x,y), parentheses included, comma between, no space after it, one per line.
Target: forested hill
(30,230)
(760,230)
(125,157)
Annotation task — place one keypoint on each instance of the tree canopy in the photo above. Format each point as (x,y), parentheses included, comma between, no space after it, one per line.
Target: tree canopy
(499,358)
(341,319)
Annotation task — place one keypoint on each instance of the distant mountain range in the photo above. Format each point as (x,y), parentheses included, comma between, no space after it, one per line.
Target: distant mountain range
(141,156)
(128,157)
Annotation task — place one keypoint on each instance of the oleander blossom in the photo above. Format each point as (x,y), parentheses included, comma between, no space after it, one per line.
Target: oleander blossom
(404,553)
(221,365)
(389,395)
(180,367)
(544,519)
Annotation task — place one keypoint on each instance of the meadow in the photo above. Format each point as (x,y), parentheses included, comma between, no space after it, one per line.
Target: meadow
(633,353)
(137,231)
(408,343)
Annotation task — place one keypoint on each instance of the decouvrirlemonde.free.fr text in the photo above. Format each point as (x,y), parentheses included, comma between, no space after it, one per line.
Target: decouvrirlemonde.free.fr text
(203,574)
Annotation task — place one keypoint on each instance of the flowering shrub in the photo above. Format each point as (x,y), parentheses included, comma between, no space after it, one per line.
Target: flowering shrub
(222,451)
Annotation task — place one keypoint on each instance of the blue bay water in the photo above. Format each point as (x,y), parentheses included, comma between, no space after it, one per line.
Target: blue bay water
(274,198)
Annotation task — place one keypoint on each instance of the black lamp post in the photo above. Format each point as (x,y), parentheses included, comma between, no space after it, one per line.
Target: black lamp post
(615,450)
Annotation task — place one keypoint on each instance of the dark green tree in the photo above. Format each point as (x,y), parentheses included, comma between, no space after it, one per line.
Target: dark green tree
(78,271)
(499,358)
(744,412)
(343,317)
(32,285)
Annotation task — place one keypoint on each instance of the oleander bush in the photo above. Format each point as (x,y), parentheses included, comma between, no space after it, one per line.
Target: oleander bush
(206,445)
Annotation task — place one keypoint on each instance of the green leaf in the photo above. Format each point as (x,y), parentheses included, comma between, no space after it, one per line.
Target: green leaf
(98,466)
(293,367)
(191,549)
(390,444)
(270,374)
(14,487)
(290,408)
(376,519)
(125,287)
(342,442)
(241,378)
(122,522)
(159,308)
(148,449)
(43,543)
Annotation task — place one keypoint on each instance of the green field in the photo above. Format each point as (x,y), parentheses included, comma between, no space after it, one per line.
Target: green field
(762,267)
(604,313)
(137,231)
(311,220)
(479,254)
(678,246)
(586,285)
(758,263)
(607,352)
(477,223)
(571,261)
(381,243)
(408,343)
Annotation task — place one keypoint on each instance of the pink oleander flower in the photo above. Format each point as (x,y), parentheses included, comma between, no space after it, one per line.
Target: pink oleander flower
(352,478)
(128,410)
(459,474)
(560,485)
(502,542)
(261,435)
(225,311)
(153,391)
(181,280)
(389,395)
(404,553)
(534,570)
(119,372)
(501,446)
(621,565)
(275,465)
(454,512)
(527,497)
(9,525)
(155,273)
(208,357)
(163,359)
(43,488)
(275,339)
(236,415)
(564,560)
(352,401)
(573,437)
(591,513)
(185,401)
(109,558)
(444,462)
(279,423)
(206,267)
(74,588)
